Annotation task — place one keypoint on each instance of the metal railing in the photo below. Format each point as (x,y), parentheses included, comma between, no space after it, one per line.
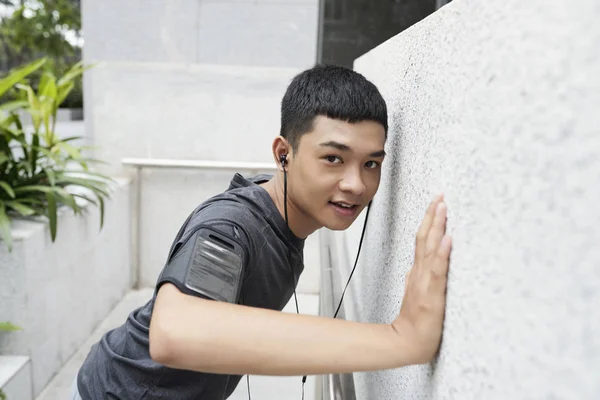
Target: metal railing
(333,386)
(151,163)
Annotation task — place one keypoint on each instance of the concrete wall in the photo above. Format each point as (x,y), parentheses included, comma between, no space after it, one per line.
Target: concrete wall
(276,33)
(191,79)
(59,292)
(227,113)
(496,104)
(197,112)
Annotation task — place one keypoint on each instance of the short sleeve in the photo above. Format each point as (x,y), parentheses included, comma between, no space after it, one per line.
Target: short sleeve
(210,261)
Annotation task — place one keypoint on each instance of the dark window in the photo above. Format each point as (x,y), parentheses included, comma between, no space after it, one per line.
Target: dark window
(350,28)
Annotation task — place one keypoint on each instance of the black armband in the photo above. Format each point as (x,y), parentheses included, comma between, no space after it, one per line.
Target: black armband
(209,264)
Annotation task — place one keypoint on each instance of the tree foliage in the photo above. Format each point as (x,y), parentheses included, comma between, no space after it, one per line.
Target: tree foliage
(36,28)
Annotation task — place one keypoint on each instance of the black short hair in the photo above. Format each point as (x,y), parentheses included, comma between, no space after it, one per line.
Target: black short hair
(331,91)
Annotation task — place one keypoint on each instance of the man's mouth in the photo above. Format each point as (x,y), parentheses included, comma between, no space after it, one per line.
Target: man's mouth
(344,209)
(343,205)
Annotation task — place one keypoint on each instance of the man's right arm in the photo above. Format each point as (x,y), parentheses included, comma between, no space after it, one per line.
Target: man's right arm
(188,332)
(192,333)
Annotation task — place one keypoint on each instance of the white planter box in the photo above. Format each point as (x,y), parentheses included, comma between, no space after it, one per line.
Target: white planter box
(15,377)
(58,292)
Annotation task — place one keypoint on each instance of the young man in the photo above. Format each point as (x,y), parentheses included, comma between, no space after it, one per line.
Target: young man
(239,255)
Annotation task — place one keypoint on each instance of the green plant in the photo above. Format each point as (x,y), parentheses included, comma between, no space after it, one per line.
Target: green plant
(39,171)
(8,327)
(53,66)
(32,28)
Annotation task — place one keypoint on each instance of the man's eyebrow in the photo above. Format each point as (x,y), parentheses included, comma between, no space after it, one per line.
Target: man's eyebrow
(336,145)
(345,147)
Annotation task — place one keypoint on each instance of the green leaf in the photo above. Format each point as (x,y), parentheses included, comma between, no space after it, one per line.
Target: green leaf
(70,150)
(47,109)
(68,199)
(23,165)
(17,76)
(8,327)
(74,72)
(47,87)
(95,175)
(18,122)
(63,92)
(11,106)
(33,154)
(5,232)
(71,138)
(52,214)
(51,176)
(20,208)
(45,152)
(7,122)
(7,189)
(86,198)
(33,188)
(93,160)
(35,107)
(101,201)
(31,200)
(97,187)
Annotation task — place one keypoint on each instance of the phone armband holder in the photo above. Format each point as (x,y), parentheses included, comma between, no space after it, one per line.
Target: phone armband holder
(209,264)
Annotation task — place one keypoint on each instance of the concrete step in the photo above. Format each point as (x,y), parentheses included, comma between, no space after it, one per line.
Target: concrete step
(15,377)
(262,388)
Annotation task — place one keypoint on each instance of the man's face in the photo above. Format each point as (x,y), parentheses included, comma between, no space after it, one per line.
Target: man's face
(336,171)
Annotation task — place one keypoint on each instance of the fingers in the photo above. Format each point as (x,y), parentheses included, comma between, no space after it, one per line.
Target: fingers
(423,231)
(439,246)
(443,254)
(437,230)
(406,279)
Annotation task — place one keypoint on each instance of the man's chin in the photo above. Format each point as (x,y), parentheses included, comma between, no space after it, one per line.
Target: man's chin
(333,221)
(339,225)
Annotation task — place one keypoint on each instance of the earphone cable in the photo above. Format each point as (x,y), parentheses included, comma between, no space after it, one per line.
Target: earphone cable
(362,236)
(248,382)
(285,211)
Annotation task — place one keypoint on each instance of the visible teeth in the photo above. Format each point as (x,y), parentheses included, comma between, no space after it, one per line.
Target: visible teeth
(344,205)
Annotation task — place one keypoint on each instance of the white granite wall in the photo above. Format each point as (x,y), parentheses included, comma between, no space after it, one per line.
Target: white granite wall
(496,104)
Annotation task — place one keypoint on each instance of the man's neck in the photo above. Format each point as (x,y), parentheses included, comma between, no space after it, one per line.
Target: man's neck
(299,223)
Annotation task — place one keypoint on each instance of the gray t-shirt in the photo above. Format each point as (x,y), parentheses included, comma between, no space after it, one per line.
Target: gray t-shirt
(120,367)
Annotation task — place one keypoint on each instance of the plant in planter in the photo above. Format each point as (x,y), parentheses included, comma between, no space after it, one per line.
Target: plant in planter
(39,170)
(6,327)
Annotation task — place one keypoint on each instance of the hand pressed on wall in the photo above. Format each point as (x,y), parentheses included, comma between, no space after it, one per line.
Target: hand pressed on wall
(421,315)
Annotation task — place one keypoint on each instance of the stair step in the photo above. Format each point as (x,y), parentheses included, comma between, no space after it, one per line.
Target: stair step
(282,388)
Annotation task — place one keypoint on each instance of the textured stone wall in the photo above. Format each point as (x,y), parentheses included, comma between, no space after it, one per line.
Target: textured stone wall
(496,104)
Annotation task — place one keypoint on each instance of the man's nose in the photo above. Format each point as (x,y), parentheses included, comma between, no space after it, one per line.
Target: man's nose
(352,182)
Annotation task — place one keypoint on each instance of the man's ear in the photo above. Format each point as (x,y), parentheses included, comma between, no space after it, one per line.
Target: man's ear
(281,152)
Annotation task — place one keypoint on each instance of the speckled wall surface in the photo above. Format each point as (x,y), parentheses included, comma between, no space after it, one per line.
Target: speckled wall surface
(497,104)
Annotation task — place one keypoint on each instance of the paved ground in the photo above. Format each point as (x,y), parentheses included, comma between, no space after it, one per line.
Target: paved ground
(262,388)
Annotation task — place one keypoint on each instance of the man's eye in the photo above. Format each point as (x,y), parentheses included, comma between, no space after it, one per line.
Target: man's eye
(333,159)
(372,164)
